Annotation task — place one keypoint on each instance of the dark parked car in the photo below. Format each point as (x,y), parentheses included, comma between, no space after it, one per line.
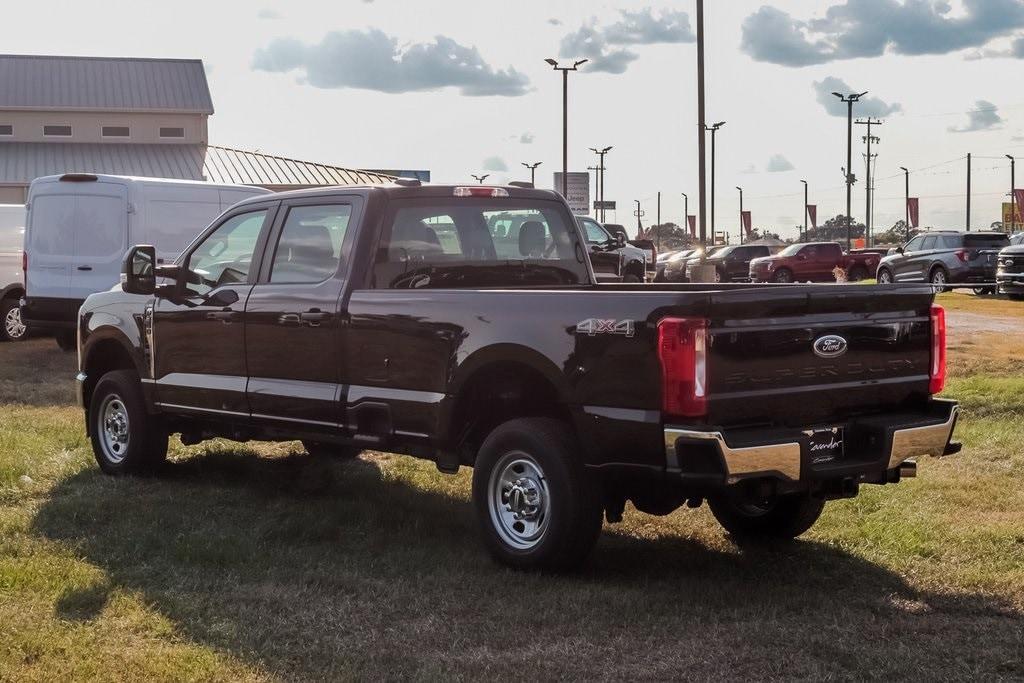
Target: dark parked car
(647,245)
(612,257)
(946,257)
(666,257)
(732,264)
(402,318)
(675,268)
(1010,272)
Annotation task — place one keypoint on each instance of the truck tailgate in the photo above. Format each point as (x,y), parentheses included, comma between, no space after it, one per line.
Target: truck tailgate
(807,355)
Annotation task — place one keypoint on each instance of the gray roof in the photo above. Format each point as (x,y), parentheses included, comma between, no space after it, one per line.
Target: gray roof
(22,162)
(104,84)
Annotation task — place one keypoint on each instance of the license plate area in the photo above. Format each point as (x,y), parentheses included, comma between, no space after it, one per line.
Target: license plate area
(825,446)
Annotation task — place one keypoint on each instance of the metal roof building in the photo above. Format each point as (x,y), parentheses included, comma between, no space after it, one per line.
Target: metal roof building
(127,116)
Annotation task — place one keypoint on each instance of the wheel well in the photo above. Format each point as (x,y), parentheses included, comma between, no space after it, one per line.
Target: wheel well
(105,356)
(497,393)
(13,293)
(635,268)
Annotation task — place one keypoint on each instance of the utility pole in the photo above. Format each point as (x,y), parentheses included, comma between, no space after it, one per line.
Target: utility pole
(701,169)
(741,212)
(639,226)
(868,199)
(686,212)
(713,129)
(533,171)
(659,208)
(565,117)
(850,177)
(968,192)
(481,178)
(906,201)
(600,179)
(1013,195)
(805,210)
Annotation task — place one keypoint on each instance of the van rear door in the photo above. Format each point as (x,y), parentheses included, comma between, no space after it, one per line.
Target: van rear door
(100,238)
(48,240)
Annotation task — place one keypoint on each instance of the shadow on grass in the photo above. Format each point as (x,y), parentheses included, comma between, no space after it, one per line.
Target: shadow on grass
(313,569)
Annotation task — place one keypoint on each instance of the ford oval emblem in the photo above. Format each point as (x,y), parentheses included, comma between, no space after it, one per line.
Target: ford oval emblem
(830,346)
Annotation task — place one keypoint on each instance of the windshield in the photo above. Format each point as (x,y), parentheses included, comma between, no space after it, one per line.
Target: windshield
(791,250)
(478,242)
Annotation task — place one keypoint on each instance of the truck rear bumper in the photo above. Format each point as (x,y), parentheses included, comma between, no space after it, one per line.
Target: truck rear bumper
(873,446)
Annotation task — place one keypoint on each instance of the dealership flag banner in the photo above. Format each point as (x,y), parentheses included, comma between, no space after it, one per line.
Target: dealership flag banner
(692,222)
(913,206)
(1019,194)
(812,213)
(745,215)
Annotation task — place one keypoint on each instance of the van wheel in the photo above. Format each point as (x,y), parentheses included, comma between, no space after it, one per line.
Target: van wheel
(783,275)
(781,517)
(537,506)
(329,450)
(11,326)
(66,340)
(126,439)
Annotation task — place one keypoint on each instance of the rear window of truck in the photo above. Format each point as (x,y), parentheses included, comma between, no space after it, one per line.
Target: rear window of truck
(477,242)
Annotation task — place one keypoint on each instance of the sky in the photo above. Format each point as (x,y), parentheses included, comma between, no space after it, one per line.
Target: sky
(460,87)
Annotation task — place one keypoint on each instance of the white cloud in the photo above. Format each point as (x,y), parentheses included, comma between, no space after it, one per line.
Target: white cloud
(866,106)
(984,116)
(494,164)
(778,164)
(607,47)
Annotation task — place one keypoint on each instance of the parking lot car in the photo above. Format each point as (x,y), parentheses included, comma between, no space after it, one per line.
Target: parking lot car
(667,257)
(1017,239)
(732,264)
(647,245)
(612,257)
(398,318)
(947,257)
(675,268)
(79,225)
(813,262)
(1010,272)
(12,235)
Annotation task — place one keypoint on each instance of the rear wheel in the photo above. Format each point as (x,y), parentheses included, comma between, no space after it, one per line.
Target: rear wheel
(884,276)
(538,508)
(778,517)
(858,273)
(629,277)
(783,275)
(126,439)
(982,291)
(11,326)
(329,450)
(939,278)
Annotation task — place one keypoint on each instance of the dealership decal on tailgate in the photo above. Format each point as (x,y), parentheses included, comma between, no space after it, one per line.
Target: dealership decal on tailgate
(825,445)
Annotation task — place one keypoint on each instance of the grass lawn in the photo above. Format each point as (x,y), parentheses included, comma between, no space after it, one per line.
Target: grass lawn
(257,562)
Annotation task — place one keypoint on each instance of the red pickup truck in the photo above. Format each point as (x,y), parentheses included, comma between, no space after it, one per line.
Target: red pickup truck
(813,262)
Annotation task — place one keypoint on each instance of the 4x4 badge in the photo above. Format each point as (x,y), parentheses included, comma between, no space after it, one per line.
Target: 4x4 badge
(830,346)
(592,326)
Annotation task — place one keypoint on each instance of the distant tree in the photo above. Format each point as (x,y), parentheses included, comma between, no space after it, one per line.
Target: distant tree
(834,230)
(670,237)
(897,234)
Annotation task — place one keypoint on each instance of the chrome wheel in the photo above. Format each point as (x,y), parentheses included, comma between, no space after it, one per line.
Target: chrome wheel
(13,325)
(939,277)
(113,428)
(519,500)
(885,278)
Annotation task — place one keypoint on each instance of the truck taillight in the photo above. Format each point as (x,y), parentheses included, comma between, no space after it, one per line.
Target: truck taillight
(682,350)
(937,372)
(963,255)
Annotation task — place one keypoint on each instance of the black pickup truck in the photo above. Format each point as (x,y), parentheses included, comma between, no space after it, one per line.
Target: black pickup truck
(405,318)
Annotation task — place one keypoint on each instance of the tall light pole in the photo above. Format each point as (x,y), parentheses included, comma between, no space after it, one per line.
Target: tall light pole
(1013,194)
(805,209)
(600,176)
(565,117)
(686,212)
(481,178)
(533,171)
(741,212)
(850,178)
(906,200)
(639,226)
(713,129)
(701,169)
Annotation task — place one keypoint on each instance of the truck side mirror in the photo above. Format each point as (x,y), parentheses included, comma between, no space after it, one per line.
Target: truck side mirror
(138,270)
(620,240)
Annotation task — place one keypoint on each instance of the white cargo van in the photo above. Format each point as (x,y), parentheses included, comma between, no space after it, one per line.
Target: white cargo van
(80,225)
(12,236)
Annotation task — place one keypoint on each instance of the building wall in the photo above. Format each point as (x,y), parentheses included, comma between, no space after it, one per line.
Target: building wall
(13,194)
(87,126)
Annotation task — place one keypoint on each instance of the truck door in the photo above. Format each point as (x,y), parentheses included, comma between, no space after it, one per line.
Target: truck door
(99,237)
(293,318)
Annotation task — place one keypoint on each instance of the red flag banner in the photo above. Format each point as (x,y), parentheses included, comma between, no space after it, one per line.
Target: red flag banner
(692,222)
(812,213)
(913,206)
(1019,194)
(747,221)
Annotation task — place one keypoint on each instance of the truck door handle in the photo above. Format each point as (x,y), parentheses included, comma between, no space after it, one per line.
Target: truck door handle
(84,267)
(226,316)
(314,317)
(289,319)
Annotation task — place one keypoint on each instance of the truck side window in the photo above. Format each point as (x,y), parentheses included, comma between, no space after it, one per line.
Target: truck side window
(225,256)
(311,243)
(595,233)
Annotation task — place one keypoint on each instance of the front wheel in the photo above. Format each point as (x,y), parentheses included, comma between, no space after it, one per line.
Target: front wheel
(783,275)
(126,439)
(538,508)
(780,517)
(12,328)
(884,277)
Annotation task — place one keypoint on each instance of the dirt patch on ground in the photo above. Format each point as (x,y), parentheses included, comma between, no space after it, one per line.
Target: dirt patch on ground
(960,323)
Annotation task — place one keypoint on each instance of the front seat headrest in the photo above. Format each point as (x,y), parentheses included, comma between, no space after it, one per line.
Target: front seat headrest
(532,239)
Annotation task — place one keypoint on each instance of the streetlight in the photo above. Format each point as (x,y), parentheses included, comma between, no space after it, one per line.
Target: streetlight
(565,117)
(533,170)
(1013,194)
(686,211)
(741,212)
(906,200)
(481,178)
(600,176)
(714,129)
(805,208)
(850,178)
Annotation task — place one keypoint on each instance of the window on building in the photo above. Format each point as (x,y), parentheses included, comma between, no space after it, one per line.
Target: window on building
(172,132)
(115,131)
(57,131)
(6,129)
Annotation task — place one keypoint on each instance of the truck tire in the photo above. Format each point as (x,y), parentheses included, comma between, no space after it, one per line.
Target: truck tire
(858,273)
(784,517)
(11,326)
(66,340)
(126,439)
(329,450)
(537,506)
(783,275)
(884,276)
(631,279)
